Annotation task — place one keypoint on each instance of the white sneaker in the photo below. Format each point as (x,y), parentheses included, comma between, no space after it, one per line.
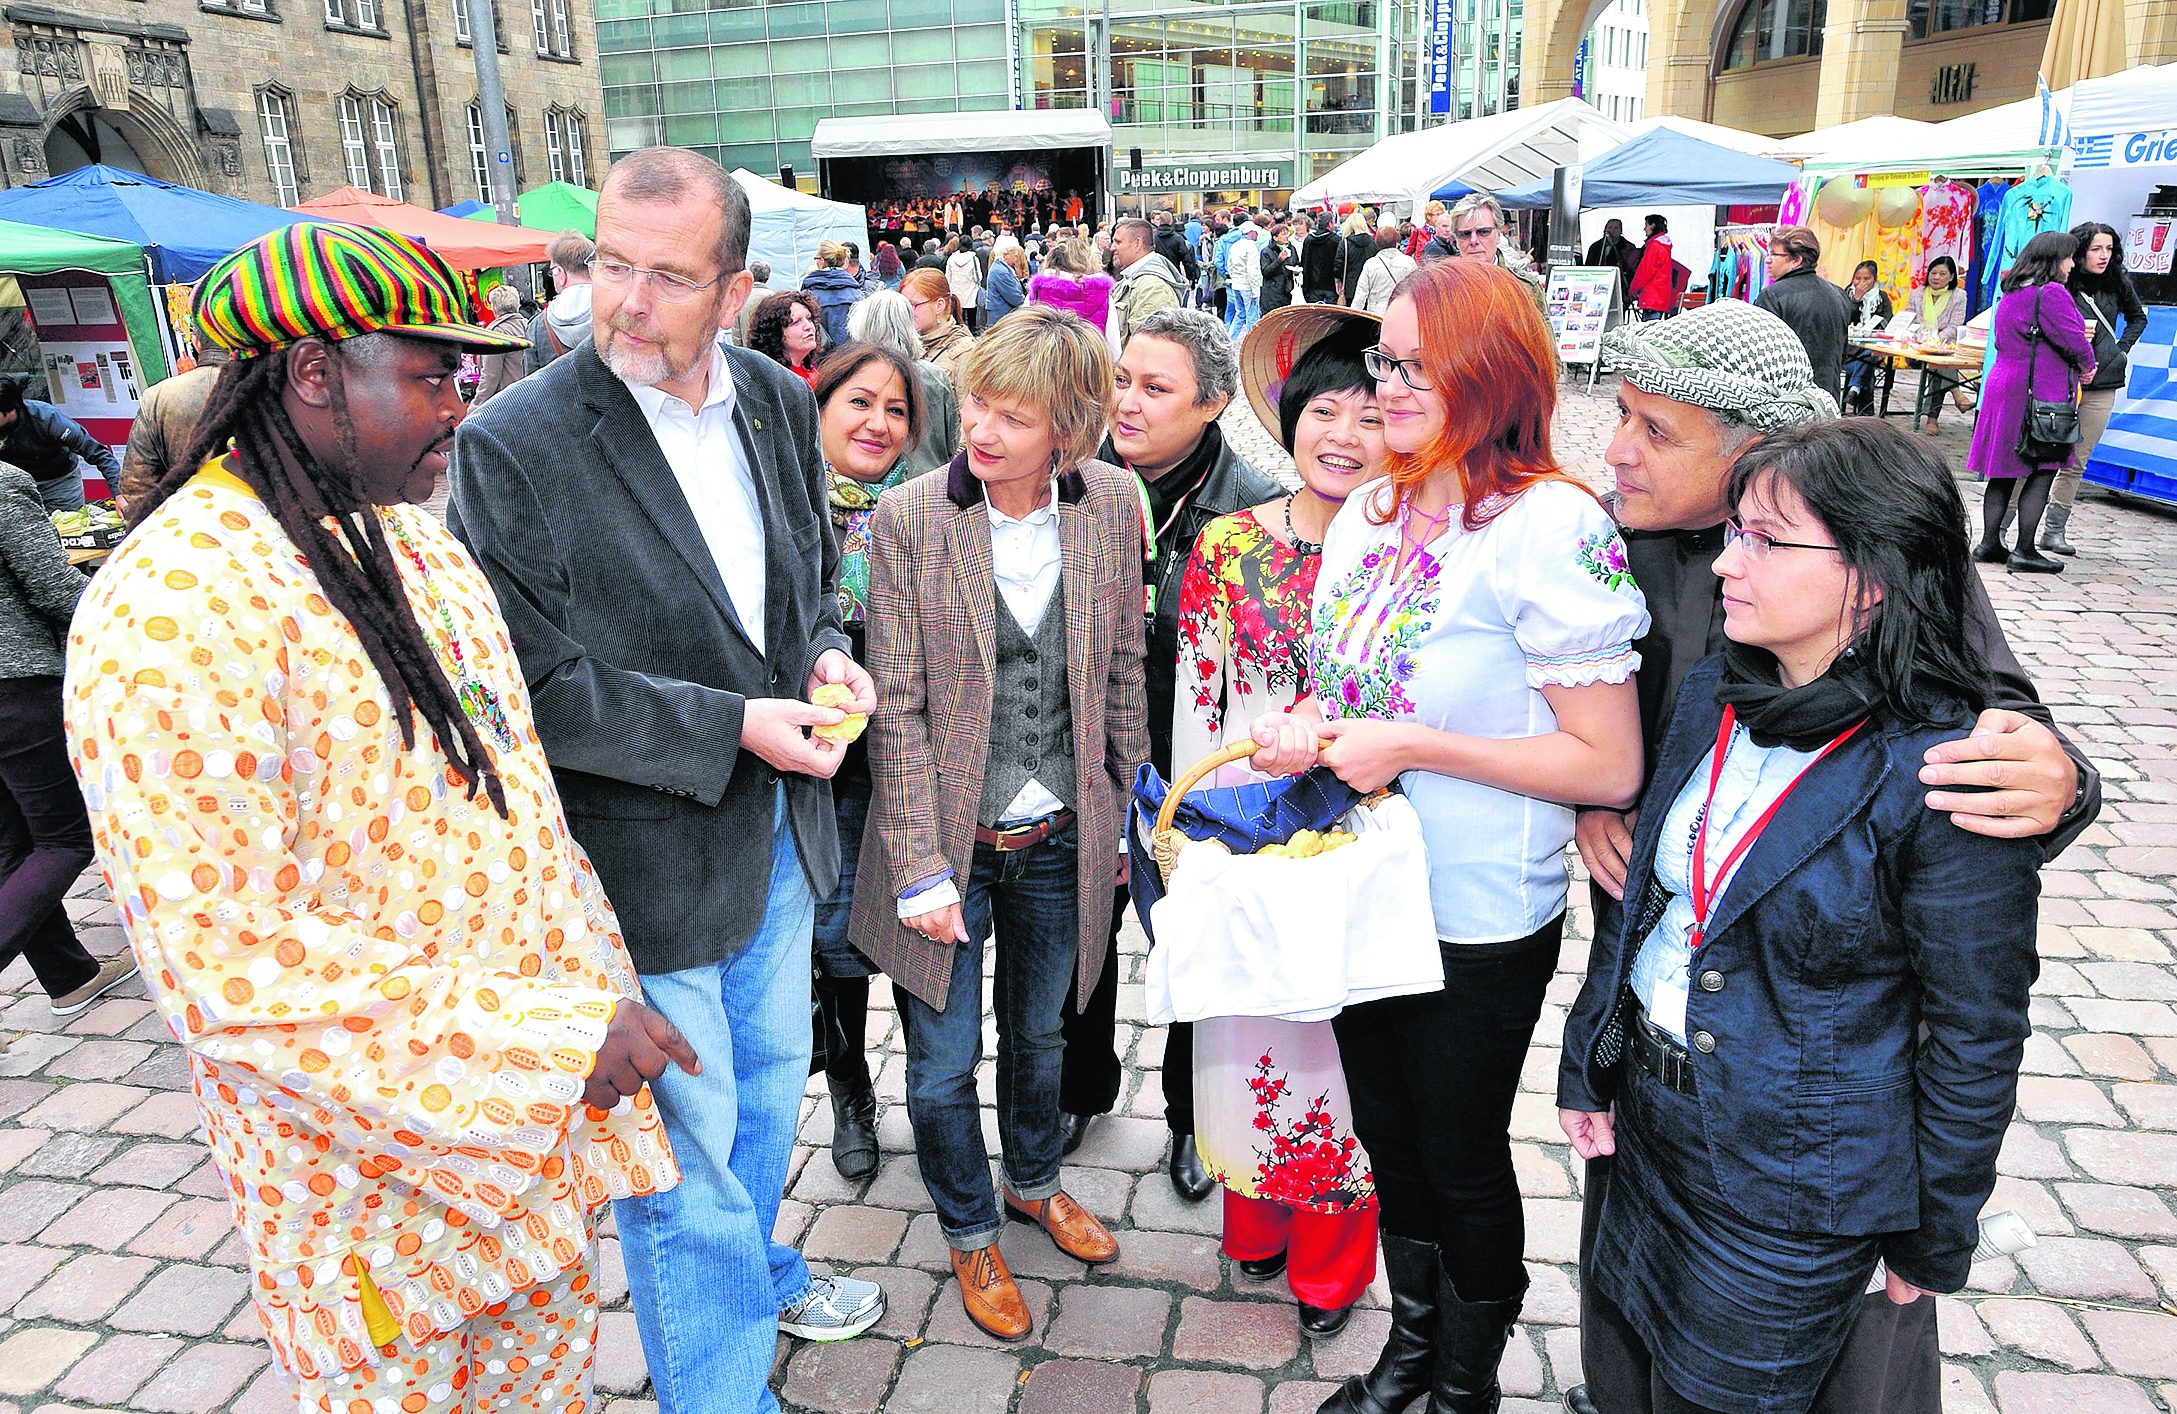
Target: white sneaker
(836,1308)
(115,971)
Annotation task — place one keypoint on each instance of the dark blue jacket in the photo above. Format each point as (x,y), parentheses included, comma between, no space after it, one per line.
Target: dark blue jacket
(46,442)
(1858,916)
(836,293)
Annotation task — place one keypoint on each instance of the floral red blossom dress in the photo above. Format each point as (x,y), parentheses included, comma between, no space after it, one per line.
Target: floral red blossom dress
(1272,1118)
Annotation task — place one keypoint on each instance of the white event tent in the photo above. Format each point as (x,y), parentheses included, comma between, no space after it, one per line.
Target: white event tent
(786,226)
(1482,154)
(1008,130)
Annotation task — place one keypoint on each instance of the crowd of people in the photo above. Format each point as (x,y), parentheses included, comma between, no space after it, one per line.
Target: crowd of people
(450,986)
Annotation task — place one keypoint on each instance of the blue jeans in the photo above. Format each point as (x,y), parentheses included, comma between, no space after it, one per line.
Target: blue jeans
(1241,312)
(707,1280)
(1031,896)
(835,956)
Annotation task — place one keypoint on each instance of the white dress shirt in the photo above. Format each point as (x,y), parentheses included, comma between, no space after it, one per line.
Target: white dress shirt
(708,461)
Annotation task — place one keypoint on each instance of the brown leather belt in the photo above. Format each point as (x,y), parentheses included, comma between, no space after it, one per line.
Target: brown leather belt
(1022,837)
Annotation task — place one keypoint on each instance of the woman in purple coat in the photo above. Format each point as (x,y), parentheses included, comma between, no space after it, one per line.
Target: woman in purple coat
(2051,368)
(1070,281)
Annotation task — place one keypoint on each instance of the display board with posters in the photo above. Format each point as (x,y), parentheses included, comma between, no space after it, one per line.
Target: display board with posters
(90,371)
(1581,299)
(2149,245)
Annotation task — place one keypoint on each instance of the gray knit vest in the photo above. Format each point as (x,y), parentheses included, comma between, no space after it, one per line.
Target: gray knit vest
(1031,716)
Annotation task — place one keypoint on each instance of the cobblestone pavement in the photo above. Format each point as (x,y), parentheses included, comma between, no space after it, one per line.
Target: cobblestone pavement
(123,1285)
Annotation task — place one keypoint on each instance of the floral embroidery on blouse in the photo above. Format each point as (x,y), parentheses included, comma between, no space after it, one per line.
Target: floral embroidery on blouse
(1243,631)
(1362,661)
(1603,556)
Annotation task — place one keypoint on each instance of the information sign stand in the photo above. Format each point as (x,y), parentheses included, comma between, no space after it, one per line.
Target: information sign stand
(1583,300)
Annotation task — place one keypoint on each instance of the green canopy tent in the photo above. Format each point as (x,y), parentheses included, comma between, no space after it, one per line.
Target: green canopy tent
(45,250)
(555,206)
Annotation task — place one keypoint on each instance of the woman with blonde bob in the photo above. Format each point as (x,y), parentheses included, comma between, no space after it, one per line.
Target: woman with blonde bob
(1472,639)
(1005,637)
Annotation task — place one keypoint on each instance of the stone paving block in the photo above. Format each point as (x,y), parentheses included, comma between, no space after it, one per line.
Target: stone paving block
(1158,1205)
(820,1184)
(841,1377)
(205,1182)
(955,1380)
(1179,1258)
(1082,1387)
(23,1266)
(2135,1342)
(113,1016)
(1120,1142)
(1553,1230)
(2131,981)
(100,1060)
(949,1323)
(152,1164)
(2040,1329)
(924,1246)
(1540,1176)
(186,1231)
(854,1234)
(272,1392)
(1203,1392)
(184,1299)
(1294,1397)
(1562,1346)
(792,1221)
(86,1289)
(2046,1099)
(1958,1329)
(2119,1211)
(111,1373)
(2085,1267)
(1110,1322)
(1255,1335)
(17,1145)
(32,1357)
(1534,1117)
(620,1367)
(2110,1057)
(1352,1351)
(1962,1392)
(107,1219)
(2031,1201)
(2026,1154)
(2148,1106)
(68,1155)
(1551,1301)
(2025,1392)
(203,1379)
(1030,1252)
(88,1105)
(2164,1051)
(907,1294)
(2129,1018)
(2149,1159)
(230,1253)
(170,1115)
(168,1069)
(1520,1372)
(1102,1191)
(19,1095)
(2048,1014)
(898,1184)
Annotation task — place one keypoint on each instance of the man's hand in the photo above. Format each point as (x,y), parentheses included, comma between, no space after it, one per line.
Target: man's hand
(2035,780)
(941,925)
(772,727)
(638,1044)
(1605,838)
(835,666)
(1899,1290)
(1590,1132)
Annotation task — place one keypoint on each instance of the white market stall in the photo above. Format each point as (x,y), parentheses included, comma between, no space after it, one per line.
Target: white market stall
(1481,154)
(786,226)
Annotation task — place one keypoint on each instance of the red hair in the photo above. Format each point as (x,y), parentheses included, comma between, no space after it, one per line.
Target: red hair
(1493,363)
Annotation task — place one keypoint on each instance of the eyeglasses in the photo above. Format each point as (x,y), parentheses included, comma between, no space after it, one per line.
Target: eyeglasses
(1479,233)
(666,286)
(1758,545)
(1381,366)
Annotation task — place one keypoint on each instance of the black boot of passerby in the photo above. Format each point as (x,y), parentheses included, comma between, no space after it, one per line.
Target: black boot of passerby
(1470,1338)
(853,1097)
(2054,522)
(1404,1368)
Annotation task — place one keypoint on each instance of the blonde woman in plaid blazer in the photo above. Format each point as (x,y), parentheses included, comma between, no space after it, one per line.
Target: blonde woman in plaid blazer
(1005,635)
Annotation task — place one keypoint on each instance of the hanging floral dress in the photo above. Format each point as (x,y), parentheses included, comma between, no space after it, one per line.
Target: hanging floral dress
(1272,1117)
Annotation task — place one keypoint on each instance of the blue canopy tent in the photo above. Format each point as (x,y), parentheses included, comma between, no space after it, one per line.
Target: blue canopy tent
(184,231)
(1666,168)
(465,208)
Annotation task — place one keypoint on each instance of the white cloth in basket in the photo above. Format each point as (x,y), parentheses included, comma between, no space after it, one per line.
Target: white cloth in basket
(1301,939)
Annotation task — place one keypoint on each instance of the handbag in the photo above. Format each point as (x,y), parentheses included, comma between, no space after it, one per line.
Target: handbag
(2049,429)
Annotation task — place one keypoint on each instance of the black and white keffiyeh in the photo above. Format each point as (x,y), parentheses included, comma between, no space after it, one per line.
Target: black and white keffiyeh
(1729,357)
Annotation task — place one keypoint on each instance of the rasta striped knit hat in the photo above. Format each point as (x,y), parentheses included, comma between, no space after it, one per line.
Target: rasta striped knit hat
(318,280)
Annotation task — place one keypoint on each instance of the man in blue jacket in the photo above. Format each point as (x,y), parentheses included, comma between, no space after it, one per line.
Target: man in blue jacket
(45,442)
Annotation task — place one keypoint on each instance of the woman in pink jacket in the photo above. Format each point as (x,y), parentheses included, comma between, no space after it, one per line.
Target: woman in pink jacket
(1070,281)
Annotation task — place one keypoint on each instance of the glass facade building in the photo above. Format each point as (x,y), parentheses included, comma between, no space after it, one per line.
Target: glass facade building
(1309,81)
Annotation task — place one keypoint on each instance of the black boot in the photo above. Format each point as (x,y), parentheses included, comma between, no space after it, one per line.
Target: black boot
(1409,1355)
(2053,524)
(1991,552)
(853,1128)
(1470,1338)
(1189,1179)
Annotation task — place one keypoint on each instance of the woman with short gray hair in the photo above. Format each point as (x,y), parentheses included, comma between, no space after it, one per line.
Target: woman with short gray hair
(887,319)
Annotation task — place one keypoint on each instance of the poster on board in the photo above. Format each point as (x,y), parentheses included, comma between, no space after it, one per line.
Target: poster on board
(91,372)
(1580,299)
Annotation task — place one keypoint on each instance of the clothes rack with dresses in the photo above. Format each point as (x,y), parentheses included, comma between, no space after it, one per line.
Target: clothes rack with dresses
(1741,267)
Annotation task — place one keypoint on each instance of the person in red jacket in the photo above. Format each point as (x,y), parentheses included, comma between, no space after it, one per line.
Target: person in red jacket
(1660,279)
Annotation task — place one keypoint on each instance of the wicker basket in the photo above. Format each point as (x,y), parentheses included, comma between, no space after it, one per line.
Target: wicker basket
(1165,841)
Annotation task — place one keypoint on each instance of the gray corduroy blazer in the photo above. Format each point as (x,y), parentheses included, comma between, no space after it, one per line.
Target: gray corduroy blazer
(637,667)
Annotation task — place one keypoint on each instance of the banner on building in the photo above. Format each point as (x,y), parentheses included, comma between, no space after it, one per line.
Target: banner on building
(2150,149)
(1250,174)
(1579,70)
(1440,55)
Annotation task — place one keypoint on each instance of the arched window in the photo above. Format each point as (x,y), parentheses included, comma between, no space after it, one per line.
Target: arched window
(275,127)
(1775,29)
(370,143)
(563,146)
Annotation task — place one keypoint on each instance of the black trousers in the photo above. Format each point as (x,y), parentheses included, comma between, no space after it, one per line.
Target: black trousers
(1090,1078)
(1432,1079)
(45,837)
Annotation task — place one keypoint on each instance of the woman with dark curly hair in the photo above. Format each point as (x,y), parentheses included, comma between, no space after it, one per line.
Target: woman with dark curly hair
(786,328)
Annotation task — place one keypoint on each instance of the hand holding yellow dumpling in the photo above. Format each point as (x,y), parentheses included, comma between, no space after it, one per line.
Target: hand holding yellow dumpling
(839,695)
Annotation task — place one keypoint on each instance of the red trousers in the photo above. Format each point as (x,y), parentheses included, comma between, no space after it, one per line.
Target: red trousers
(1329,1258)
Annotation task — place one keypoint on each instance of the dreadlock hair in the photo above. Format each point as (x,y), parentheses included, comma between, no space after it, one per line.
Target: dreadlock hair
(354,566)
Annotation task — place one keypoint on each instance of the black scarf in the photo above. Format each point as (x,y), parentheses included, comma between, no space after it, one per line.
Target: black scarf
(1182,481)
(1802,718)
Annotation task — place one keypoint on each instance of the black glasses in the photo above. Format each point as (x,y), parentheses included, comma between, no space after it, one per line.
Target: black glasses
(1758,545)
(1381,366)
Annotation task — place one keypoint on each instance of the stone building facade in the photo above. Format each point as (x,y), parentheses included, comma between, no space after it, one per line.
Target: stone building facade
(280,101)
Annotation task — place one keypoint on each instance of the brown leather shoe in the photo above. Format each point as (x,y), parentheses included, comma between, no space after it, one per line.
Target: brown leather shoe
(1070,1225)
(988,1291)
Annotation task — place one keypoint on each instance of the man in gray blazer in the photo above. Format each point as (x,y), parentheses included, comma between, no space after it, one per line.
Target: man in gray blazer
(651,511)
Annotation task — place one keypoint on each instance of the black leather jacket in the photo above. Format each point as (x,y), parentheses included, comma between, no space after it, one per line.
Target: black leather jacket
(1821,315)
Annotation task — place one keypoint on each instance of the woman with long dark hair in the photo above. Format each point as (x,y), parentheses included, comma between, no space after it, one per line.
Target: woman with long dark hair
(2040,351)
(1803,1046)
(2104,291)
(1473,626)
(787,328)
(1938,311)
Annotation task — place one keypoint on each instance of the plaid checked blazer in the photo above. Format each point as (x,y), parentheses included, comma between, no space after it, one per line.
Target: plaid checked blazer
(933,606)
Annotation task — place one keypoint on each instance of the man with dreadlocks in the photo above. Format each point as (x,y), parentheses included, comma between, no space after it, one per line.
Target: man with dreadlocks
(411,1023)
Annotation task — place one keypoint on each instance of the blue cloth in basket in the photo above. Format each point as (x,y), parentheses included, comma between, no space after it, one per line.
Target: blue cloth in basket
(1245,817)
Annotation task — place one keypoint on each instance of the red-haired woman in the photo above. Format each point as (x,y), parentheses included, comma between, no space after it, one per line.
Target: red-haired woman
(1472,640)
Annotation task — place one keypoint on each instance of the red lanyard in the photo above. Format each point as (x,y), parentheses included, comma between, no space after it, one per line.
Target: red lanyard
(1703,899)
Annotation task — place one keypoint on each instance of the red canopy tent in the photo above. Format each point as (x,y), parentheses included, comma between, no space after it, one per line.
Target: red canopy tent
(465,245)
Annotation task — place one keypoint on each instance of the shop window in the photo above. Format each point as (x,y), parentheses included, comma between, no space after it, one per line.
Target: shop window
(275,123)
(1776,29)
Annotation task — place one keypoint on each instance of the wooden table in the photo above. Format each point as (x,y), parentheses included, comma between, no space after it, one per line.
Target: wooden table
(89,557)
(1928,396)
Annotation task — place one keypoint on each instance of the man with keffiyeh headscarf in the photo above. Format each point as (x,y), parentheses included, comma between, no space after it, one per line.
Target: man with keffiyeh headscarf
(1695,390)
